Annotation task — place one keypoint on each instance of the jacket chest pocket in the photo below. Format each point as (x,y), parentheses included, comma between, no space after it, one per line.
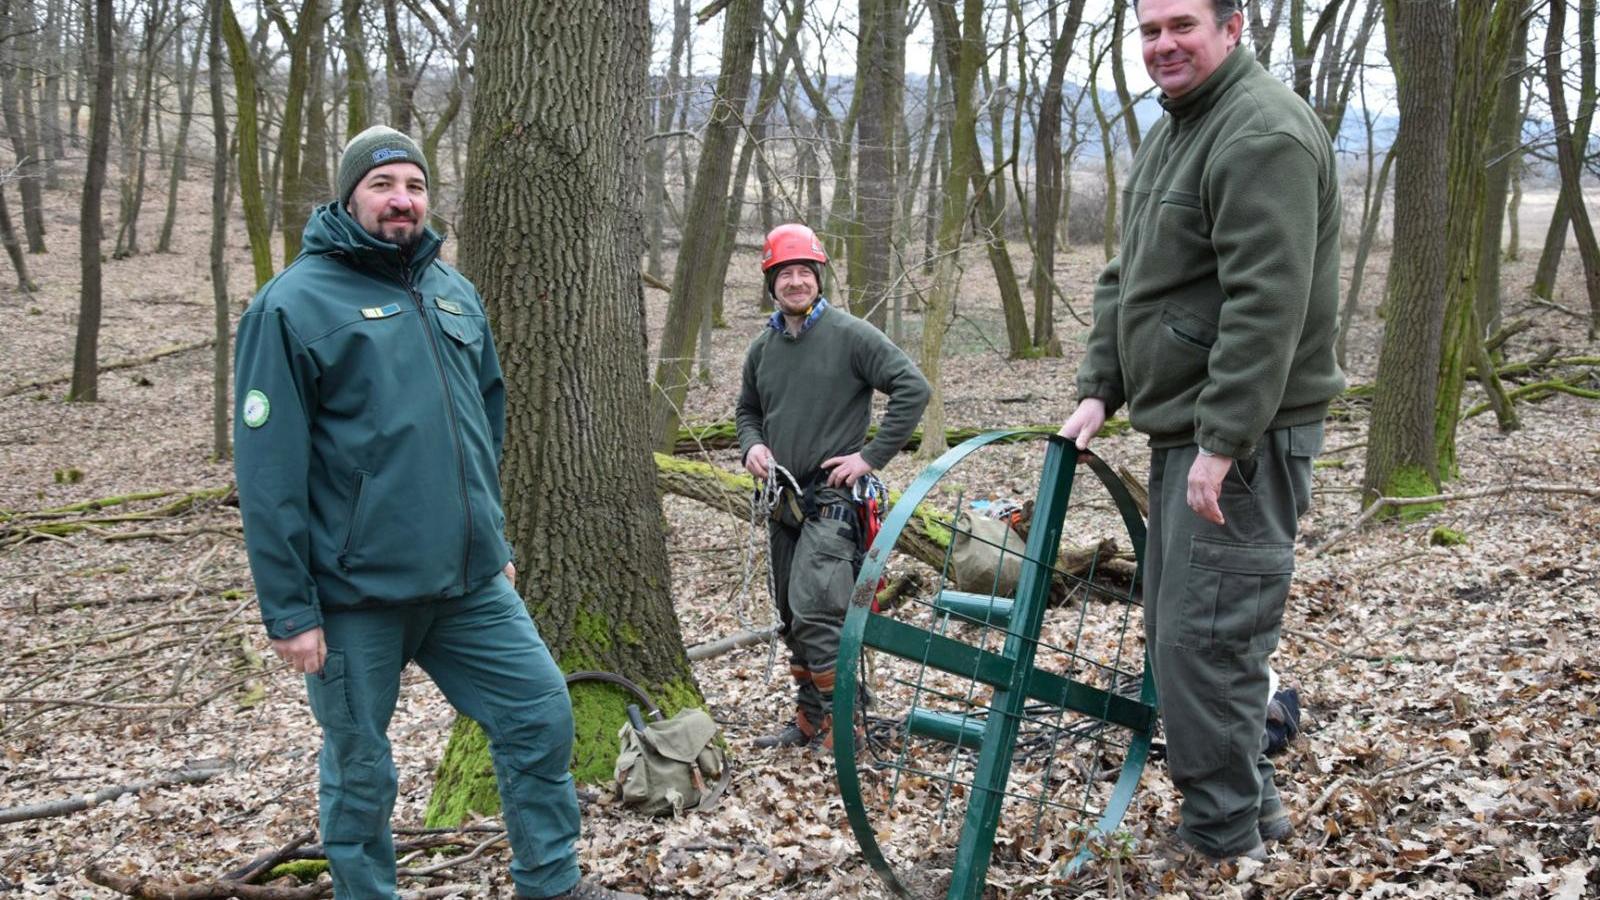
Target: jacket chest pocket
(463,326)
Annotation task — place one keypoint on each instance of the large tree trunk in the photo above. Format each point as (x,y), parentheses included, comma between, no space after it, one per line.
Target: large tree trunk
(1487,26)
(692,285)
(1401,455)
(86,350)
(1567,153)
(553,238)
(880,65)
(251,194)
(220,446)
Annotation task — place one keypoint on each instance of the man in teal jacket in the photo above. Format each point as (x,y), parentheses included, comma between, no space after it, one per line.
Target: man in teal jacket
(1215,324)
(805,403)
(367,438)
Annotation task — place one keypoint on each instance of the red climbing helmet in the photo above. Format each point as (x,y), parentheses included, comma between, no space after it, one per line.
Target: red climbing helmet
(791,243)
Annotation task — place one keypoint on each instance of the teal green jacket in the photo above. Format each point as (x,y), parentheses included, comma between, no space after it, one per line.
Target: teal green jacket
(1216,321)
(368,421)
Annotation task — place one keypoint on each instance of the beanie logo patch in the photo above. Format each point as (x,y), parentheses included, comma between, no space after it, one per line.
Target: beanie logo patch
(387,154)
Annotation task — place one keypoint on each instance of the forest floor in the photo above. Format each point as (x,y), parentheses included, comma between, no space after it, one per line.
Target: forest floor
(1451,743)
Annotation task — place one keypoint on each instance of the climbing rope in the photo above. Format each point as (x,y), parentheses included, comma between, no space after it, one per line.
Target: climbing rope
(763,502)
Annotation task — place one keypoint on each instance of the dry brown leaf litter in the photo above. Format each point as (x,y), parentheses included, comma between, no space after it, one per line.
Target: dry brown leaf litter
(1451,733)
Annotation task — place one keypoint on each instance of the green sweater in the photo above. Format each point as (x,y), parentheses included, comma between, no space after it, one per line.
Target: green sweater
(1216,321)
(809,397)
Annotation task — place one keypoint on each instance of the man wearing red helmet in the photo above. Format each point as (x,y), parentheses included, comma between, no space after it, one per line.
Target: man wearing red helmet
(805,404)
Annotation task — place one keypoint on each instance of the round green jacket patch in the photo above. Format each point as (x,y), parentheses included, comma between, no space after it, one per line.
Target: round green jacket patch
(256,409)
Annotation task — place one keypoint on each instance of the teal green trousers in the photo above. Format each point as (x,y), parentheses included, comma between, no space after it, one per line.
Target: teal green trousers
(486,656)
(1213,607)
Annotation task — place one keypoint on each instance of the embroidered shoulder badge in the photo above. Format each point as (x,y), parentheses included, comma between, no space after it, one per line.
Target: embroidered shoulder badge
(256,409)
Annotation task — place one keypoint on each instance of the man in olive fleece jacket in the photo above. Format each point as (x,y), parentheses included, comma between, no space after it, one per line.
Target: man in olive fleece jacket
(805,404)
(1215,324)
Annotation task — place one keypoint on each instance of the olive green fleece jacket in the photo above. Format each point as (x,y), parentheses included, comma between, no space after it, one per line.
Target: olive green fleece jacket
(808,397)
(1216,321)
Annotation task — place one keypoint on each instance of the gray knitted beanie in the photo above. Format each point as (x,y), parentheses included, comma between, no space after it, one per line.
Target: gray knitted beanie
(377,146)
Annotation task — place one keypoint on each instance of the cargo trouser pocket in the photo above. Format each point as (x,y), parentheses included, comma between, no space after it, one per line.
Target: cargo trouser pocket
(329,693)
(1234,596)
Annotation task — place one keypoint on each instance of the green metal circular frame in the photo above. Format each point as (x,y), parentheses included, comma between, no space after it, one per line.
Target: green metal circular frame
(1010,672)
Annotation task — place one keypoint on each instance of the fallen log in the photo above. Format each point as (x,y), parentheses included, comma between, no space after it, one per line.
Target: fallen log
(925,538)
(127,363)
(69,805)
(149,887)
(723,435)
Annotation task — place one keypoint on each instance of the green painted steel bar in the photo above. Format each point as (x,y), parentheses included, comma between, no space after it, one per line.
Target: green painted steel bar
(995,670)
(1000,733)
(847,671)
(978,609)
(1010,672)
(956,730)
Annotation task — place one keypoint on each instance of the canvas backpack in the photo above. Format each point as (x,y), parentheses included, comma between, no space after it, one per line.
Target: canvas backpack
(669,766)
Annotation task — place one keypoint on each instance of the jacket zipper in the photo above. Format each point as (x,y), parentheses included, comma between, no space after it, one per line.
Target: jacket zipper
(450,410)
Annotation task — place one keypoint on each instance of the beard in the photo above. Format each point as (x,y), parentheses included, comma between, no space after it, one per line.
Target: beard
(404,233)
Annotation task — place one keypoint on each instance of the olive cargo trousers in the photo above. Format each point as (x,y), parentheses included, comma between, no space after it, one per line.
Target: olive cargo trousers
(1213,607)
(486,656)
(813,575)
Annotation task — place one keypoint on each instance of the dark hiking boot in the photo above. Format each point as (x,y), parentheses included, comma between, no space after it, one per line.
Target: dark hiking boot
(790,736)
(1277,828)
(1174,854)
(588,890)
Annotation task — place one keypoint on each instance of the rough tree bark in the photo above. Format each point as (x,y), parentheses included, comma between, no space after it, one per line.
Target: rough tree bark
(553,237)
(880,65)
(1488,27)
(1401,456)
(86,350)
